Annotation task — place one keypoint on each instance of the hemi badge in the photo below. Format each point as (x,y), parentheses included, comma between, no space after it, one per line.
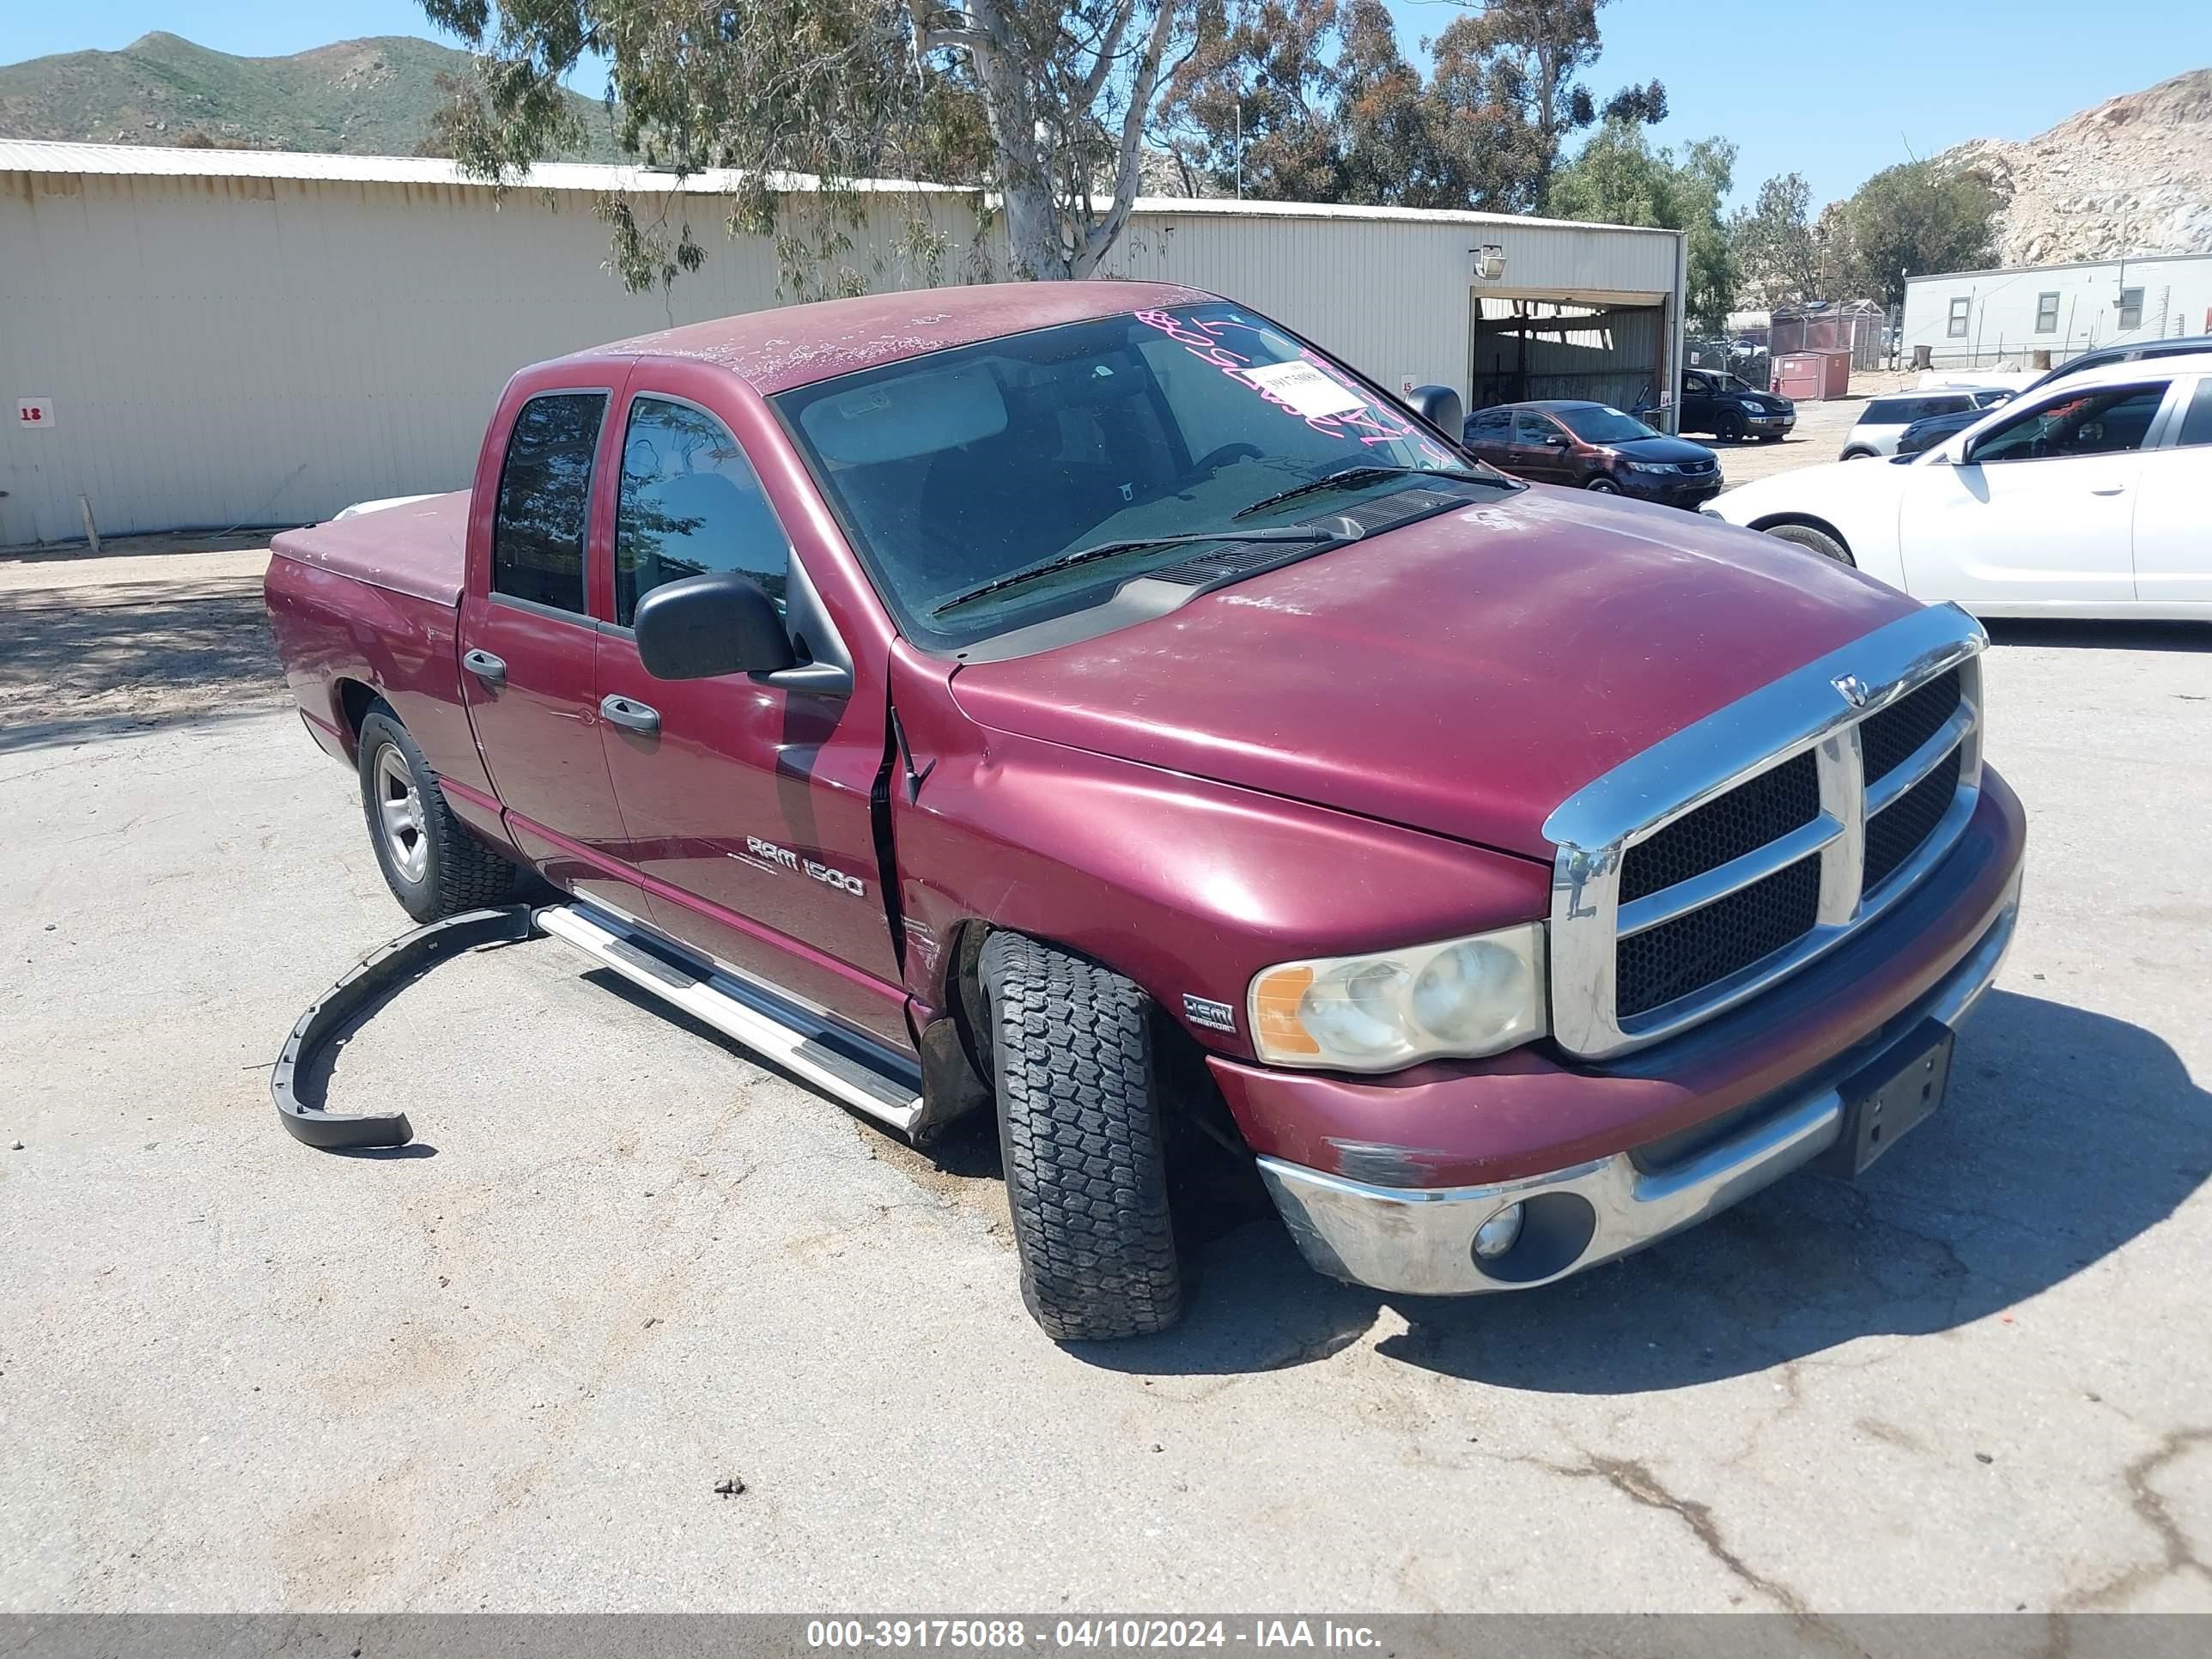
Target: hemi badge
(1214,1015)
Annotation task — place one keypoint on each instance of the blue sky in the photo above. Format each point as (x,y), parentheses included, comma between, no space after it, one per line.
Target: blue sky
(1891,79)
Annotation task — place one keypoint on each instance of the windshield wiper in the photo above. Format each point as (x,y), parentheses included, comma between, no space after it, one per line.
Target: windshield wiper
(1360,474)
(1293,533)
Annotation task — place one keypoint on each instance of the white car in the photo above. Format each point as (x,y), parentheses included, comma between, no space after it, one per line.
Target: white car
(2090,497)
(1884,419)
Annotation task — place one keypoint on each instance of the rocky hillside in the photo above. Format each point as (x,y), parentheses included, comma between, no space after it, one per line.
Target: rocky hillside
(2131,176)
(372,97)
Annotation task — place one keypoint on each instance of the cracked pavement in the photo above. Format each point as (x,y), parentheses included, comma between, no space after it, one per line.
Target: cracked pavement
(509,1367)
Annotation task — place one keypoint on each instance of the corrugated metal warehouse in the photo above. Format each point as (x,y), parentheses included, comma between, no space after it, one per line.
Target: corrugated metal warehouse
(208,339)
(2002,318)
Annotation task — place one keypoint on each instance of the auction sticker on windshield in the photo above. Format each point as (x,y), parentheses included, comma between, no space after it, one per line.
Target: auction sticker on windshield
(1304,388)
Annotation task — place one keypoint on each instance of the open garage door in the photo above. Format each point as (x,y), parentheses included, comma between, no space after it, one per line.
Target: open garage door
(1528,349)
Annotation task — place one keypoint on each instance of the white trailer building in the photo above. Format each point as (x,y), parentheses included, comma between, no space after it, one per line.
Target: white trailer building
(208,339)
(2000,318)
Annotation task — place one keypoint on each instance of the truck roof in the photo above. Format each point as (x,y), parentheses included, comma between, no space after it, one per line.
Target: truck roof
(797,345)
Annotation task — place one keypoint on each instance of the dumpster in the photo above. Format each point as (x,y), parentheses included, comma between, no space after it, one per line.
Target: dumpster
(1810,376)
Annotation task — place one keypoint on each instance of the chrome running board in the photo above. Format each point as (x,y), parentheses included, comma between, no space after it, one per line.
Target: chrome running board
(870,1079)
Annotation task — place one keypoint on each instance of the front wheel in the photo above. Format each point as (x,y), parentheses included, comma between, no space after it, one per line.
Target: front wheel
(1079,1128)
(1819,541)
(1603,485)
(1730,427)
(433,866)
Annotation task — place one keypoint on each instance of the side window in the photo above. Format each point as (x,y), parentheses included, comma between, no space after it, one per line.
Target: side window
(2046,314)
(545,499)
(1489,425)
(690,503)
(2130,308)
(2197,424)
(1955,328)
(2107,422)
(1697,385)
(1533,430)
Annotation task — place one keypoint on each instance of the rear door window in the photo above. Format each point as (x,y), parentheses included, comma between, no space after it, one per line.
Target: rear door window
(545,500)
(690,503)
(1490,426)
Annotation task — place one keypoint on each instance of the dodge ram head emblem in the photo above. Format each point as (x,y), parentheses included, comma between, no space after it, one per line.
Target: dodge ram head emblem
(1853,688)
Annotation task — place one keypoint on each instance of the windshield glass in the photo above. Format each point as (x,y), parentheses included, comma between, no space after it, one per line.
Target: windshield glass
(1603,425)
(952,471)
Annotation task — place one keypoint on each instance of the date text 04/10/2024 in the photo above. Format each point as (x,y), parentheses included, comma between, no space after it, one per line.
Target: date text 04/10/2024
(854,1634)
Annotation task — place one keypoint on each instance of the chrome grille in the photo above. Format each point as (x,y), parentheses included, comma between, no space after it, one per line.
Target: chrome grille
(1888,739)
(1897,831)
(1799,813)
(1715,940)
(1742,821)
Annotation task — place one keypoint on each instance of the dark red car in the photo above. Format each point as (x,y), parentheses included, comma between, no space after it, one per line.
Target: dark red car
(1591,445)
(1092,704)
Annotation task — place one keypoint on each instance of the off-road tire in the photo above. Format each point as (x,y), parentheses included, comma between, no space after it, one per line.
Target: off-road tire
(1819,541)
(1079,1129)
(459,872)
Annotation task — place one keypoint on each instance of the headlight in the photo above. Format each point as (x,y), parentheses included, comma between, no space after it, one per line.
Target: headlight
(1465,997)
(1756,408)
(1650,466)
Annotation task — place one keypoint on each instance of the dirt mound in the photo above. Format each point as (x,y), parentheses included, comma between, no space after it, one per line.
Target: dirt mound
(2131,176)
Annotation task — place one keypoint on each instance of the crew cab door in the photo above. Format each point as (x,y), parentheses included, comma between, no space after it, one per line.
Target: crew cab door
(529,647)
(748,797)
(2173,525)
(2040,509)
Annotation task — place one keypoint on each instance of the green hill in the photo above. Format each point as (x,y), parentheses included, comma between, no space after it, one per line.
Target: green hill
(372,97)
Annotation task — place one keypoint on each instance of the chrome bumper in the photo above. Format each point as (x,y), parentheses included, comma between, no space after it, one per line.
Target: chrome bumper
(1420,1242)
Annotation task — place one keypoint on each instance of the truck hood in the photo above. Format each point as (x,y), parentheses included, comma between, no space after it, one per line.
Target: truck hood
(1463,675)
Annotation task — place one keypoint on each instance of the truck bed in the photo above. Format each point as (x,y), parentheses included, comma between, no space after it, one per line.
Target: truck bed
(419,550)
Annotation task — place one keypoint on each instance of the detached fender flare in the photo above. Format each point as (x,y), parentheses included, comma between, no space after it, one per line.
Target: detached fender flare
(383,973)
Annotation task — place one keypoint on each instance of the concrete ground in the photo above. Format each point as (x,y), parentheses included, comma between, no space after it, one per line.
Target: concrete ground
(1818,437)
(509,1367)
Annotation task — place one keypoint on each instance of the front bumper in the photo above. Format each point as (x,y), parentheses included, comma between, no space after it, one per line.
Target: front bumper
(1671,489)
(1420,1241)
(1773,423)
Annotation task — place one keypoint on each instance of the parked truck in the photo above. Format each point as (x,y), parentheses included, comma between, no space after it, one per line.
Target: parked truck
(1094,704)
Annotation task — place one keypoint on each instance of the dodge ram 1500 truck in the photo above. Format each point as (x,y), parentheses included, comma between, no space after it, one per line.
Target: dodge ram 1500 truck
(1094,703)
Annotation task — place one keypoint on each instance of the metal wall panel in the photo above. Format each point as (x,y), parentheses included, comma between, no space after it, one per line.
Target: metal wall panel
(257,348)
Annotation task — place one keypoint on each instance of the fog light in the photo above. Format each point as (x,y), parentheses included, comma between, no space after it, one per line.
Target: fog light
(1499,1234)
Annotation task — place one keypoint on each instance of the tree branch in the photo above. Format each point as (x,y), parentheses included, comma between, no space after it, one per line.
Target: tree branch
(1102,234)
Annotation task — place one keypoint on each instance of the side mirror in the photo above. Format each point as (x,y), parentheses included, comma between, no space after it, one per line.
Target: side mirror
(704,626)
(1555,441)
(1439,405)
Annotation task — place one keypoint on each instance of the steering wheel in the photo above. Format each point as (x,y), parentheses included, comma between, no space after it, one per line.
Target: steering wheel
(1214,459)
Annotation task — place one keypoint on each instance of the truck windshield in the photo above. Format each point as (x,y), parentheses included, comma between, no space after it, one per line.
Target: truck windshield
(1120,439)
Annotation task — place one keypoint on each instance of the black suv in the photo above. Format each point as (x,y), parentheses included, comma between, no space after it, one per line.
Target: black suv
(1724,405)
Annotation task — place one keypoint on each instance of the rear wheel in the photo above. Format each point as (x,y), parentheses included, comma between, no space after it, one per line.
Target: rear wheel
(433,866)
(1079,1127)
(1819,541)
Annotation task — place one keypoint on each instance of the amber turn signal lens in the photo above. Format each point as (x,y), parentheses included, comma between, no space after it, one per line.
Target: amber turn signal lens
(1275,1012)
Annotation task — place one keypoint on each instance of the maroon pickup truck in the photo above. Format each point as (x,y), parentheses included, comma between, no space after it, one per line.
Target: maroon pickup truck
(1093,702)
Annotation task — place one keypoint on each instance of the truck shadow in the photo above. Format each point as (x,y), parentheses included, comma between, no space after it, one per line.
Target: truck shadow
(2067,1134)
(2101,636)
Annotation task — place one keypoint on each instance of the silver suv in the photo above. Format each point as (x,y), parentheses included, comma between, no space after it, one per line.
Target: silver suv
(1884,419)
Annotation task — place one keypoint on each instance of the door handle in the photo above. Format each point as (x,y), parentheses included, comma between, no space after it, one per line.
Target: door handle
(629,714)
(485,666)
(2116,489)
